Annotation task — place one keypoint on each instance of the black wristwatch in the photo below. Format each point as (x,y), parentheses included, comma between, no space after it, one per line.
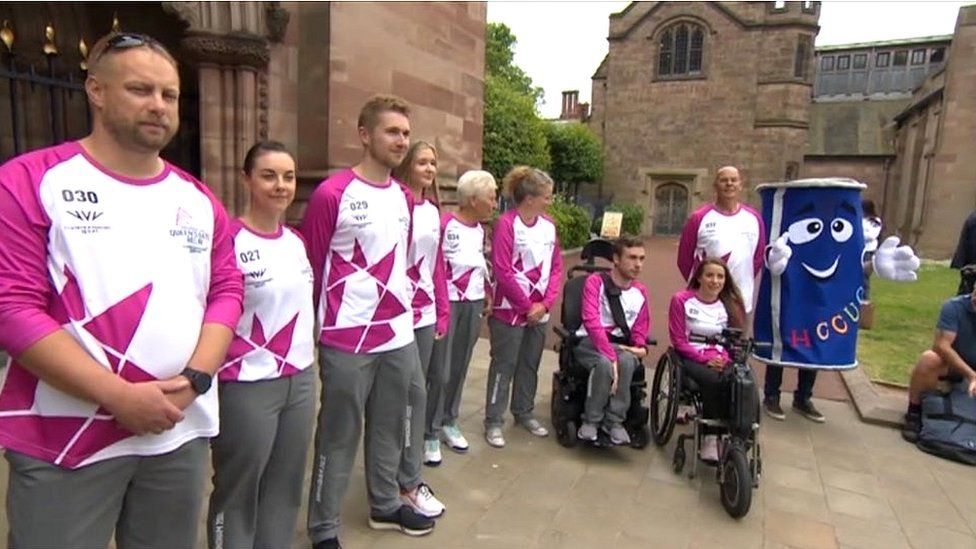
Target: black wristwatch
(199,381)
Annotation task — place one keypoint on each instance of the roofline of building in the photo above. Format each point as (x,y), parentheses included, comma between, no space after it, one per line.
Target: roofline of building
(886,43)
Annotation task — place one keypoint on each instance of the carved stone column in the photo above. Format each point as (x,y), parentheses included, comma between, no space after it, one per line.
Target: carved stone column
(228,43)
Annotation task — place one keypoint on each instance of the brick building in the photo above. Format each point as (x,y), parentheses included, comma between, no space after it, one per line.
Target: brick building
(292,71)
(908,130)
(689,87)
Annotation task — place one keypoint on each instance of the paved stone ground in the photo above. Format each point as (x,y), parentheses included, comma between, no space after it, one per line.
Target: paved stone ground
(840,484)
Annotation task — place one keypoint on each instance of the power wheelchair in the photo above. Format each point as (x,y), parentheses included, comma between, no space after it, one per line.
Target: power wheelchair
(569,382)
(740,457)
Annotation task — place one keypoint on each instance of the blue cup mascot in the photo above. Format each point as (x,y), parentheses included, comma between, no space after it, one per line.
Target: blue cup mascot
(812,288)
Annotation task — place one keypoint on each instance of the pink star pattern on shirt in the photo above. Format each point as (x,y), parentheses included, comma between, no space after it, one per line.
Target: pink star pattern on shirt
(462,281)
(388,307)
(533,275)
(421,298)
(279,345)
(69,440)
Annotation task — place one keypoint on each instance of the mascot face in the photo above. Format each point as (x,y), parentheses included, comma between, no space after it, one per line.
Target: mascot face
(822,235)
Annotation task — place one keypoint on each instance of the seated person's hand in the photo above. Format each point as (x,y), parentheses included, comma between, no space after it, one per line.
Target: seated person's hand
(615,379)
(894,262)
(639,352)
(716,363)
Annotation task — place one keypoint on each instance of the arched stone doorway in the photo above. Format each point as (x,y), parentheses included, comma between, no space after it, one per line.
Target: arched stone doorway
(670,208)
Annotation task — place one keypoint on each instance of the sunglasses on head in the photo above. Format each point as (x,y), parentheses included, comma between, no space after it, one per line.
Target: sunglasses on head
(126,40)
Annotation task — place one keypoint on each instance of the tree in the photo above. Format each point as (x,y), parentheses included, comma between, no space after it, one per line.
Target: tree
(576,153)
(513,132)
(500,60)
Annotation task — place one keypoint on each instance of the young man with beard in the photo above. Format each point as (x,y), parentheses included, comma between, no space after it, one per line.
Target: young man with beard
(358,227)
(609,354)
(118,297)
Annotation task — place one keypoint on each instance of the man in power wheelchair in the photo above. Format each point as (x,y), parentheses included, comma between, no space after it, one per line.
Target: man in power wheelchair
(598,391)
(705,370)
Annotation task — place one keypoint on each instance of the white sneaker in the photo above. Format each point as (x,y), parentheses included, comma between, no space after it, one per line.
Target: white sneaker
(494,437)
(421,499)
(454,439)
(432,453)
(709,448)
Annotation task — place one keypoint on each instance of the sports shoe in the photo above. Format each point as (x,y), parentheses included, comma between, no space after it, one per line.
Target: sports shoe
(808,411)
(493,435)
(587,432)
(618,435)
(533,426)
(913,424)
(403,519)
(773,410)
(421,499)
(330,543)
(709,448)
(432,453)
(454,439)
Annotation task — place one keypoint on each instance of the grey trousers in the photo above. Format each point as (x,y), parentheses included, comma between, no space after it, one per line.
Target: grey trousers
(601,406)
(150,501)
(449,366)
(259,461)
(357,388)
(515,355)
(413,451)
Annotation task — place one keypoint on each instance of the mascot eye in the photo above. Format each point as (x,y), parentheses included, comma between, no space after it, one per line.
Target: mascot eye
(841,229)
(805,230)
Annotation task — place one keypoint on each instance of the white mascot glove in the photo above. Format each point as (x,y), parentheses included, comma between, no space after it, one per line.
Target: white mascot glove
(894,262)
(778,255)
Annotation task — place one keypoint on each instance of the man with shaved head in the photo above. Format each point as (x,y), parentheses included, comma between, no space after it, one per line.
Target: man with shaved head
(119,294)
(726,229)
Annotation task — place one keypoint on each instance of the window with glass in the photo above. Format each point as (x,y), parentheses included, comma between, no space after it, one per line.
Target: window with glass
(882,59)
(843,62)
(681,50)
(901,58)
(918,57)
(801,63)
(937,56)
(827,63)
(860,61)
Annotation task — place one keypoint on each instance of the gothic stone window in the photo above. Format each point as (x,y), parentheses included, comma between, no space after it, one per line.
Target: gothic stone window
(680,52)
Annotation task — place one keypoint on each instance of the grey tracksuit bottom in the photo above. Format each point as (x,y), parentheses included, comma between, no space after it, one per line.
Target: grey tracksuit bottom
(259,461)
(515,355)
(449,366)
(146,502)
(357,388)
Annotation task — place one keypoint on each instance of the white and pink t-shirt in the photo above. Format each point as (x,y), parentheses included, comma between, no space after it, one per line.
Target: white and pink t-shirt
(274,337)
(426,269)
(690,315)
(131,269)
(738,239)
(598,322)
(527,264)
(463,246)
(358,233)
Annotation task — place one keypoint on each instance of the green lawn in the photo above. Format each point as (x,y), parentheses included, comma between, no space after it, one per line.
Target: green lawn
(904,322)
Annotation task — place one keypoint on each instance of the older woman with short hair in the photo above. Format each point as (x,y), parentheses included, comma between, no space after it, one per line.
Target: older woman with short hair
(462,245)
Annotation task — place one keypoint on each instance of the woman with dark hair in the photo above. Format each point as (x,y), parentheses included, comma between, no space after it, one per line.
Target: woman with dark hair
(267,388)
(425,269)
(527,265)
(709,305)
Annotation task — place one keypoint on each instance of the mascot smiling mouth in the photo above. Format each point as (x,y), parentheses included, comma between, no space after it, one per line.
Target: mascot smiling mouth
(822,274)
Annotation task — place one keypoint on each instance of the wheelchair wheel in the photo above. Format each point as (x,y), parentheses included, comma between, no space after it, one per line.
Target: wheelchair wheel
(567,434)
(664,399)
(736,489)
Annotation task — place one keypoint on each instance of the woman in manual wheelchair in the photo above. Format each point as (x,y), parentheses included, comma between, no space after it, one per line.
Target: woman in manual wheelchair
(705,369)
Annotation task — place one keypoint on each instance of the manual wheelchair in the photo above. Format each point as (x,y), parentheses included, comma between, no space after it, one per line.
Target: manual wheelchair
(569,382)
(740,457)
